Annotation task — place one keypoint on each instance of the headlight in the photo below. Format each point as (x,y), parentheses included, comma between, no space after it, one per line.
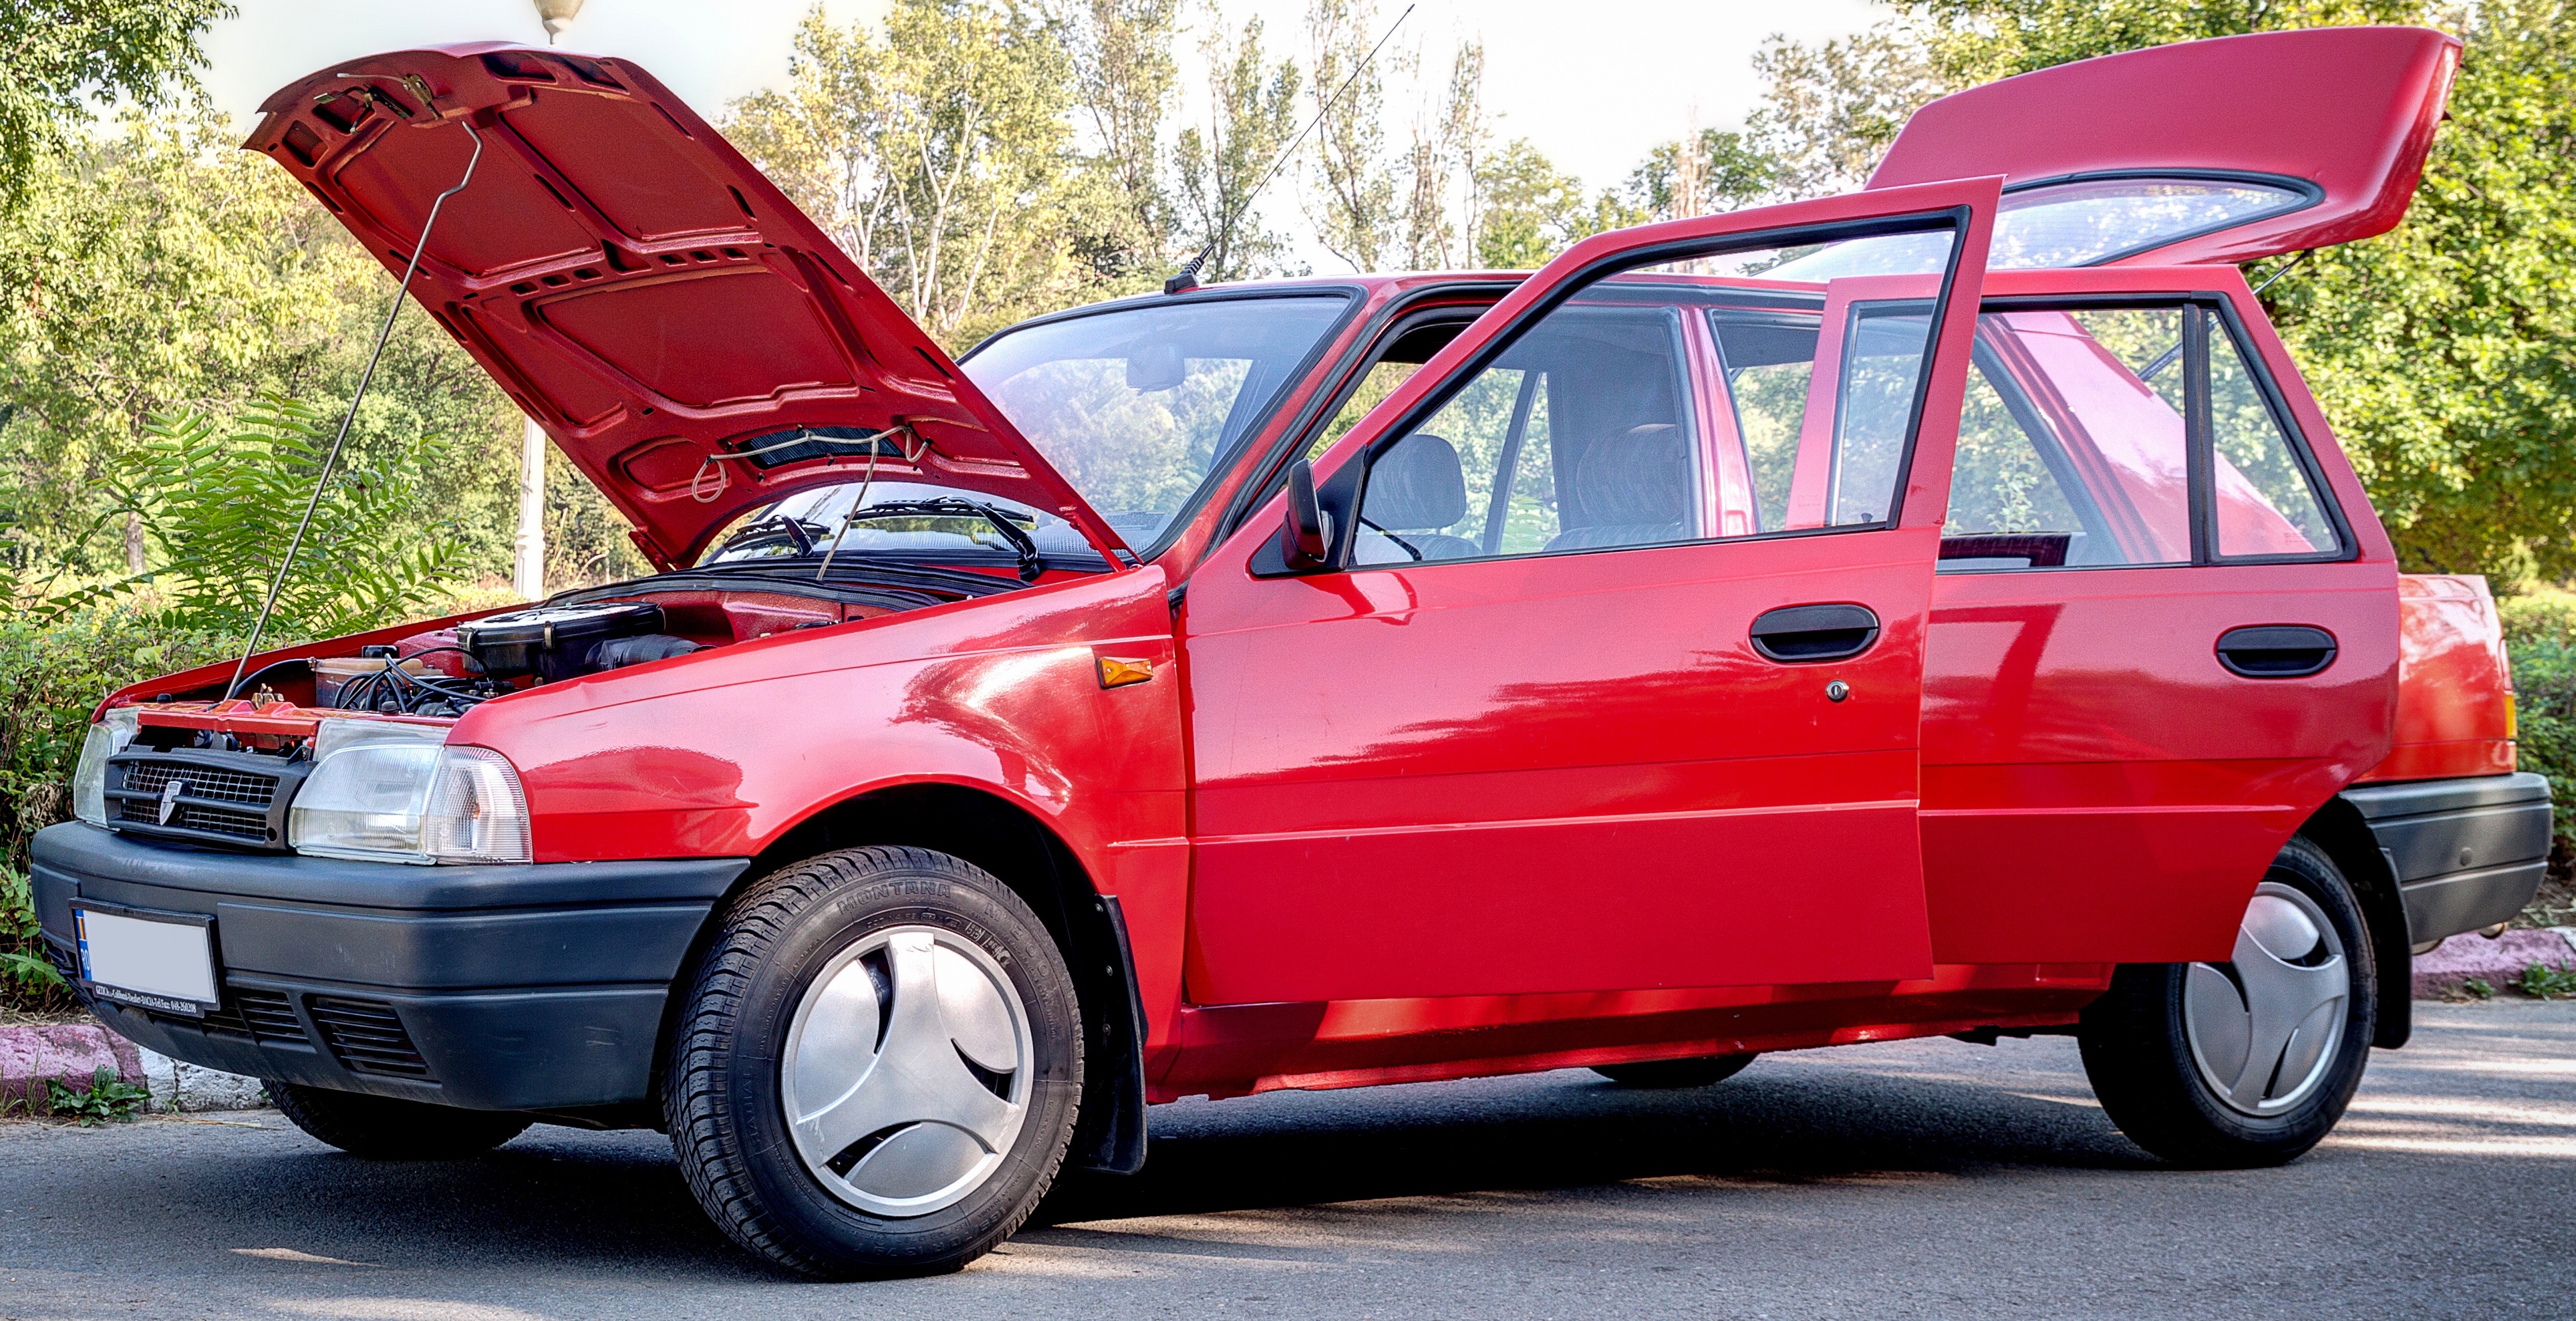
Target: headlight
(106,739)
(388,792)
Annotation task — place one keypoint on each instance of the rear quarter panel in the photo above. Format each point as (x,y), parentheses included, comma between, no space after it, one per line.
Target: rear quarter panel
(2454,683)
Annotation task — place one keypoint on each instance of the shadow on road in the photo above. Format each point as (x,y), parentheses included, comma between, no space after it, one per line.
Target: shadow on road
(1775,1124)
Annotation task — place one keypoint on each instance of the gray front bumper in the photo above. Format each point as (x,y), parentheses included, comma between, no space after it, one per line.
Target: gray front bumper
(488,987)
(2467,853)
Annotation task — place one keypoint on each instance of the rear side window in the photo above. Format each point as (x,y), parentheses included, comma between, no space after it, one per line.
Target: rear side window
(2101,436)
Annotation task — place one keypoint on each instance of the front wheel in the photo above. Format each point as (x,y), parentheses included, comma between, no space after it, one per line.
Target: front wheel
(878,1065)
(2248,1062)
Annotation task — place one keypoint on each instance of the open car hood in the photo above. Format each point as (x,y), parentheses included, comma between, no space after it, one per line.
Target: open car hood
(641,290)
(2336,120)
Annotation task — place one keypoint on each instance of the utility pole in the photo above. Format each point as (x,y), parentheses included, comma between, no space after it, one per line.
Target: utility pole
(528,565)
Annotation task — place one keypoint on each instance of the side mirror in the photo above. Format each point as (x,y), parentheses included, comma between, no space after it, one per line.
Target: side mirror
(1309,542)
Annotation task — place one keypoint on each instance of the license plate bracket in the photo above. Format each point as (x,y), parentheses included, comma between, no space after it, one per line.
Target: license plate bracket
(148,958)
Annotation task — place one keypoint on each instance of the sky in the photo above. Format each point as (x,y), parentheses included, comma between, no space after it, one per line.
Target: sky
(1593,93)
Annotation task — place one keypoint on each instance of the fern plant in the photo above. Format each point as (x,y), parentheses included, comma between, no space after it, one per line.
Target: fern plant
(222,503)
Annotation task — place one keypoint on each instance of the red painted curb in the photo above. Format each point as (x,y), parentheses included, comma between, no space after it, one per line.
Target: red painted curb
(71,1052)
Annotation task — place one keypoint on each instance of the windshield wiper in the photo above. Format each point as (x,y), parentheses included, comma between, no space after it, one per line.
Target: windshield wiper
(949,506)
(794,527)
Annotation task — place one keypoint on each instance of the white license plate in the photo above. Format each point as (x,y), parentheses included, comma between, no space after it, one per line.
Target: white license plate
(151,960)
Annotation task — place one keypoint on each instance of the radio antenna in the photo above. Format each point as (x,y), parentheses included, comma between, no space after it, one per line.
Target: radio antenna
(331,458)
(1187,278)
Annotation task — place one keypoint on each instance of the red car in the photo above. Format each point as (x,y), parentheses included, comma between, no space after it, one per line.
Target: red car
(1938,610)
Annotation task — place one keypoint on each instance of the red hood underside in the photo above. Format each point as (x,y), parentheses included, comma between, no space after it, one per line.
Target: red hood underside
(639,288)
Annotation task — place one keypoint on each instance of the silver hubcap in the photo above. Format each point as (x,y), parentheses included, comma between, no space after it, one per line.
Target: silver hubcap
(907,1071)
(2264,1027)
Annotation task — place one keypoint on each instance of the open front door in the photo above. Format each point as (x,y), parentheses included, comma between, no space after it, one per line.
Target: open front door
(1610,673)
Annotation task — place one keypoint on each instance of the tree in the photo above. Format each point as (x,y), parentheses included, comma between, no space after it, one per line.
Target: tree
(1124,78)
(1442,210)
(1252,114)
(940,157)
(1722,175)
(1355,212)
(1830,110)
(57,55)
(1529,210)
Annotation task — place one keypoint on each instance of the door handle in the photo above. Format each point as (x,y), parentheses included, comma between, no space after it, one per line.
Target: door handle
(1801,634)
(2276,651)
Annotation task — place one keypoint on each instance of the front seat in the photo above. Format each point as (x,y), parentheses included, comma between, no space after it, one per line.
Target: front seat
(1415,490)
(1632,490)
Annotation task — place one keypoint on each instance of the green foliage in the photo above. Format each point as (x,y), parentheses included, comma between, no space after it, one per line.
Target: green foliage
(2543,982)
(25,973)
(107,1099)
(222,509)
(2540,640)
(2478,988)
(51,677)
(56,55)
(1724,174)
(1253,106)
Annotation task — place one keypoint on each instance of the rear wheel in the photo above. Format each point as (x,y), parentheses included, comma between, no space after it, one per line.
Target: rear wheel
(1675,1073)
(383,1128)
(879,1065)
(2252,1061)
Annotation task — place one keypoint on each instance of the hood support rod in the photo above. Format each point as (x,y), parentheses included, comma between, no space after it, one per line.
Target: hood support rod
(331,458)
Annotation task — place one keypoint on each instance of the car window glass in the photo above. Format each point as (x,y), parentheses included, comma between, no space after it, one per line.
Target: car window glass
(2073,450)
(1137,406)
(1598,389)
(1687,400)
(2003,491)
(1881,365)
(2266,505)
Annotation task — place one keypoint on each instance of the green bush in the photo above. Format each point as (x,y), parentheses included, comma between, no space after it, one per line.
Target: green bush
(2540,634)
(52,674)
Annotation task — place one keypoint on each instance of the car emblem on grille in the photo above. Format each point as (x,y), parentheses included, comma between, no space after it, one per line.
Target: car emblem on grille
(170,798)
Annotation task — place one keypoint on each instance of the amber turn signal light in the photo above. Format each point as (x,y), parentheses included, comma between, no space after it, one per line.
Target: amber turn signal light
(1116,673)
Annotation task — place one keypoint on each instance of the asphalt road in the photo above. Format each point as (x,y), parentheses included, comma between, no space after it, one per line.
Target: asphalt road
(1931,1179)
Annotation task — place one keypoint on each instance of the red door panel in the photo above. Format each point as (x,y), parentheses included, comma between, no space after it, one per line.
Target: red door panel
(2097,786)
(1570,770)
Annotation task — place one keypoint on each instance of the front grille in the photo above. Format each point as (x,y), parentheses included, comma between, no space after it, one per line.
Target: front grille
(216,797)
(367,1037)
(189,816)
(152,777)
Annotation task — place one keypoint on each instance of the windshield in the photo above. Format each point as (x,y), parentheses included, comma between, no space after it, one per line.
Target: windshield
(2068,224)
(1137,406)
(902,518)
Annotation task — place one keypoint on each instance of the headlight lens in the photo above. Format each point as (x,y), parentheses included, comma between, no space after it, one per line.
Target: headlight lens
(106,738)
(388,792)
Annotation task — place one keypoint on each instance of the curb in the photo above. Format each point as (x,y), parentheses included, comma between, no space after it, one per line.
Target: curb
(73,1053)
(2498,962)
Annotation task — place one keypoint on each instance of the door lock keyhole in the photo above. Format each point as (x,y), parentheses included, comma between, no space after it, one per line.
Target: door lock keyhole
(1837,691)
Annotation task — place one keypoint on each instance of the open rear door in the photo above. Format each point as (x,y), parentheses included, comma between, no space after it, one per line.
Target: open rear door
(2226,150)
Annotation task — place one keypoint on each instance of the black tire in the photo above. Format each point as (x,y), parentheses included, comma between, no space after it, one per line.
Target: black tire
(725,1101)
(2141,1061)
(383,1128)
(1675,1073)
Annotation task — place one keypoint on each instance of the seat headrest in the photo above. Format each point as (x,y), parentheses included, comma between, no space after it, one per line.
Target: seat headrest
(1640,477)
(1416,485)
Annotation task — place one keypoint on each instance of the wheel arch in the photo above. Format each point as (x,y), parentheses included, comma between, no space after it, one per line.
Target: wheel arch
(1025,852)
(2339,829)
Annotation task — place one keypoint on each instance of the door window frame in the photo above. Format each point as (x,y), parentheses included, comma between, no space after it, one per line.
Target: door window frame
(1343,488)
(2199,442)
